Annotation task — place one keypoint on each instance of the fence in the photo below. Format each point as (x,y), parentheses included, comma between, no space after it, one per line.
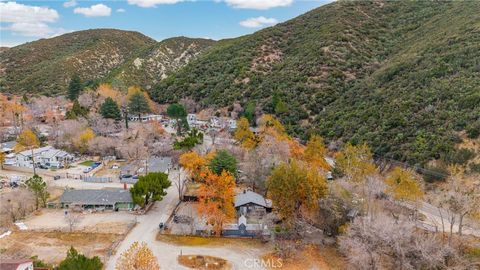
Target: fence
(95,179)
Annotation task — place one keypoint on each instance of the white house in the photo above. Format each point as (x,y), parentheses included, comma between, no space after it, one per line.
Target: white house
(7,148)
(192,119)
(146,118)
(45,156)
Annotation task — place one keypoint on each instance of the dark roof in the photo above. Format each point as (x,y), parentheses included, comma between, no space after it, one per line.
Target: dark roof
(252,197)
(96,196)
(12,264)
(159,164)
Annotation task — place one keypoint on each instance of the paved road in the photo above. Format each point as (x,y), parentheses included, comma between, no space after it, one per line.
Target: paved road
(147,229)
(434,215)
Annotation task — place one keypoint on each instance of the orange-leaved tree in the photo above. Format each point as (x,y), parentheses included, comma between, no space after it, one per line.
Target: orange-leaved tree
(315,153)
(81,142)
(269,125)
(194,163)
(356,162)
(244,135)
(403,185)
(137,257)
(28,140)
(295,190)
(216,199)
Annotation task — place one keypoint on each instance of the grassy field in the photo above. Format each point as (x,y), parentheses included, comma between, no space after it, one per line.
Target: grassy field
(87,163)
(207,241)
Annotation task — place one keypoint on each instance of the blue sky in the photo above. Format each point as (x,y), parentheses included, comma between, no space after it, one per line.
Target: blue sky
(23,21)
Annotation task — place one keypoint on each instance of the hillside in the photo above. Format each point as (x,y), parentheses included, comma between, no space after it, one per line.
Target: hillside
(399,75)
(158,61)
(46,65)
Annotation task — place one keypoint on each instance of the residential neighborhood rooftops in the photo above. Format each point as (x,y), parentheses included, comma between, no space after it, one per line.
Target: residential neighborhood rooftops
(7,146)
(13,264)
(251,197)
(98,196)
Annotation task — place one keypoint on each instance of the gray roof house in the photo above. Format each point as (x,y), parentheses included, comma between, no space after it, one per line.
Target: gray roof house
(250,203)
(250,197)
(115,199)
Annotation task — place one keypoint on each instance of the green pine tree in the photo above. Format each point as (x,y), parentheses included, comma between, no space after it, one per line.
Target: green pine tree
(75,87)
(77,261)
(109,109)
(178,112)
(138,104)
(39,188)
(223,161)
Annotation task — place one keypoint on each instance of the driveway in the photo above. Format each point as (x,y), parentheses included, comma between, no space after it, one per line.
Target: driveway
(147,229)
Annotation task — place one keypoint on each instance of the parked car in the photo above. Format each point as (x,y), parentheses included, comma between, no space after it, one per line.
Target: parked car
(56,177)
(135,177)
(115,166)
(125,176)
(87,170)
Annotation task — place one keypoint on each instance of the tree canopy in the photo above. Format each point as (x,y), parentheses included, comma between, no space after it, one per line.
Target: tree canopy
(177,111)
(295,189)
(223,161)
(109,109)
(137,257)
(74,87)
(138,104)
(149,188)
(77,261)
(39,189)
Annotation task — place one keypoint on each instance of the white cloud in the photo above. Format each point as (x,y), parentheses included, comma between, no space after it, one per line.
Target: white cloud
(98,10)
(258,4)
(121,10)
(258,22)
(13,12)
(70,4)
(152,3)
(30,21)
(35,30)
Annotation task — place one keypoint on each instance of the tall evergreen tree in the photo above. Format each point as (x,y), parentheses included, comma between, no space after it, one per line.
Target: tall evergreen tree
(223,161)
(77,261)
(178,112)
(75,87)
(109,109)
(138,104)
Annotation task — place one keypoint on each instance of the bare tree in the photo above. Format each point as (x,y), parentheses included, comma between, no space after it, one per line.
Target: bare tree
(72,218)
(388,243)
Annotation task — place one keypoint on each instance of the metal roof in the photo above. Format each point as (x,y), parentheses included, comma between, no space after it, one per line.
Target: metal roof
(251,197)
(96,196)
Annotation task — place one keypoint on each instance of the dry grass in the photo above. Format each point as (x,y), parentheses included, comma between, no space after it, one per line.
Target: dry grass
(311,257)
(52,246)
(207,241)
(204,262)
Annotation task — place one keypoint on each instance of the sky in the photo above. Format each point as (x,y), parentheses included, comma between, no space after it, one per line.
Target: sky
(24,21)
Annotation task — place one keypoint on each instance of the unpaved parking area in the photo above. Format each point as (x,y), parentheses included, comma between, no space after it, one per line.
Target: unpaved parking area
(106,222)
(52,246)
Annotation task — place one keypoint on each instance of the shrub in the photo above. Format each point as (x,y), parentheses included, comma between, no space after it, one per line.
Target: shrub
(433,174)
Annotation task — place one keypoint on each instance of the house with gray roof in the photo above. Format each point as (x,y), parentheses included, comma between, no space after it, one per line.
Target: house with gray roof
(98,199)
(251,203)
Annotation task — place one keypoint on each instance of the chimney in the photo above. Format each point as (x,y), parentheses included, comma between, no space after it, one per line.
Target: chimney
(125,186)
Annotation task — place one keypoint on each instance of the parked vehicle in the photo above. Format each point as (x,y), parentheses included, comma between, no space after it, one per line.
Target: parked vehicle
(122,176)
(163,222)
(56,177)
